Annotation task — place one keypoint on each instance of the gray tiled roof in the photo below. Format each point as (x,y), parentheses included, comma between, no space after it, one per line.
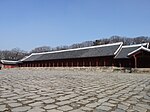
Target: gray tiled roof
(9,62)
(33,57)
(95,51)
(139,49)
(125,50)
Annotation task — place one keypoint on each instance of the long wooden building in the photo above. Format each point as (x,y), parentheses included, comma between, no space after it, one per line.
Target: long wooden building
(101,55)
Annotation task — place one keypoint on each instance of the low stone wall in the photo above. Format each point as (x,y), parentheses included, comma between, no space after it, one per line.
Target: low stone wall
(141,70)
(102,69)
(131,70)
(98,69)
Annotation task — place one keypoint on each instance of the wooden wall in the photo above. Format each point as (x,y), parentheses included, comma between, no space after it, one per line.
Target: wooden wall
(9,66)
(80,62)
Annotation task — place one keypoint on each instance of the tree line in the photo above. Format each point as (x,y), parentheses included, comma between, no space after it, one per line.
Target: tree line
(125,40)
(14,54)
(17,54)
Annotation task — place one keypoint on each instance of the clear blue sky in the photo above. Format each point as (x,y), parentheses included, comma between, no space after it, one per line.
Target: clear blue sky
(27,24)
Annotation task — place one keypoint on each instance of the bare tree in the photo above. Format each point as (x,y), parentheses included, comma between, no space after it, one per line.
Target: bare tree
(140,39)
(125,40)
(17,53)
(41,49)
(14,54)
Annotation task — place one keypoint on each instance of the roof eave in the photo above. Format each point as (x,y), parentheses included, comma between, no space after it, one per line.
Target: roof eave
(121,43)
(141,48)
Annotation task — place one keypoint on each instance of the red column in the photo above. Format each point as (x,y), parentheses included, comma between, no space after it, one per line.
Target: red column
(57,64)
(72,63)
(77,63)
(112,64)
(96,62)
(90,63)
(104,62)
(120,64)
(135,61)
(62,64)
(83,63)
(53,64)
(67,64)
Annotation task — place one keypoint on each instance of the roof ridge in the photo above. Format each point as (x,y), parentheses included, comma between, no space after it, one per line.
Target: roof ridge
(119,48)
(104,45)
(144,48)
(134,45)
(118,52)
(8,61)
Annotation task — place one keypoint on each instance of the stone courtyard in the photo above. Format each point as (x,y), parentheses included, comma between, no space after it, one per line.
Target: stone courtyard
(52,90)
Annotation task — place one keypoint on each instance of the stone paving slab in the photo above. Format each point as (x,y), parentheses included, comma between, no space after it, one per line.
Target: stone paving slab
(48,90)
